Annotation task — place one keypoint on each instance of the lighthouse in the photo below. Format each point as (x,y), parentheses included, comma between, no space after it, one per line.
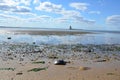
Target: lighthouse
(70,27)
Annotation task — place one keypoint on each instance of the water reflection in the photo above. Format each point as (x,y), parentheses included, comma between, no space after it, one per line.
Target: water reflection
(102,38)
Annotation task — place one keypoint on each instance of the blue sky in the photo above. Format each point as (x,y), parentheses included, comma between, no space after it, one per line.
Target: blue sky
(80,14)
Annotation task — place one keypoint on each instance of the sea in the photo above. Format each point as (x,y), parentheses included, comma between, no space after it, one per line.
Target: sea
(58,36)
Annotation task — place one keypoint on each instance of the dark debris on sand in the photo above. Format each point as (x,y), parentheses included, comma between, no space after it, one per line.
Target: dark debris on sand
(33,52)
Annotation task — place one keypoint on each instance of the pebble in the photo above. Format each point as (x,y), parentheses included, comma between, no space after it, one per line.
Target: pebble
(19,73)
(84,68)
(59,62)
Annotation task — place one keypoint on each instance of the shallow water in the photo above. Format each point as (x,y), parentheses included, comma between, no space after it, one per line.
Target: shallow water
(21,35)
(102,38)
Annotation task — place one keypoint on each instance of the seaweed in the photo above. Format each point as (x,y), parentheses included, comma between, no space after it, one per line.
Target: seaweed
(39,62)
(110,74)
(36,69)
(53,56)
(19,73)
(7,69)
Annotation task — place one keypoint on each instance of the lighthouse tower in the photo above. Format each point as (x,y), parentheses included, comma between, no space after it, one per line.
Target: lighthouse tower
(70,27)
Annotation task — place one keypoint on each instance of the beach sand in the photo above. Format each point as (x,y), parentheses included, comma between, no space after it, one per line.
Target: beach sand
(30,62)
(75,70)
(36,62)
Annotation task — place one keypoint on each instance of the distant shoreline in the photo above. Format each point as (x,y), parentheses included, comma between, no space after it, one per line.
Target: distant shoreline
(49,31)
(42,31)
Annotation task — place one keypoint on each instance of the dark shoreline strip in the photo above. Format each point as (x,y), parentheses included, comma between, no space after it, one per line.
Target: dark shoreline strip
(48,32)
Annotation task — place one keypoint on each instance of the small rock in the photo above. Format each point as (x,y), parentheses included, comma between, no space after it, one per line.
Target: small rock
(23,55)
(9,54)
(19,73)
(9,38)
(84,68)
(60,62)
(68,62)
(103,60)
(21,59)
(33,42)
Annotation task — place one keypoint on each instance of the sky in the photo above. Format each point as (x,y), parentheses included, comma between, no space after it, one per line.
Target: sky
(80,14)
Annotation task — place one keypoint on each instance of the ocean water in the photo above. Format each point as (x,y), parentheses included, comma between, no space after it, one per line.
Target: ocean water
(88,38)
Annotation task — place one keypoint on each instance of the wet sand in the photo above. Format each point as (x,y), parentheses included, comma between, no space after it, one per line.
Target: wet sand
(44,31)
(71,71)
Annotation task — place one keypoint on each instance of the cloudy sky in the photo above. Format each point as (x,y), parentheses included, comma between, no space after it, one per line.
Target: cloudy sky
(80,14)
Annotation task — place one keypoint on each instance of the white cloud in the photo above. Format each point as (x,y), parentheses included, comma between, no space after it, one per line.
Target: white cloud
(5,7)
(75,16)
(67,15)
(89,21)
(9,2)
(80,19)
(36,1)
(27,15)
(79,6)
(41,18)
(113,20)
(44,17)
(14,8)
(58,9)
(15,2)
(49,7)
(3,16)
(22,9)
(94,12)
(70,13)
(25,2)
(61,20)
(15,5)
